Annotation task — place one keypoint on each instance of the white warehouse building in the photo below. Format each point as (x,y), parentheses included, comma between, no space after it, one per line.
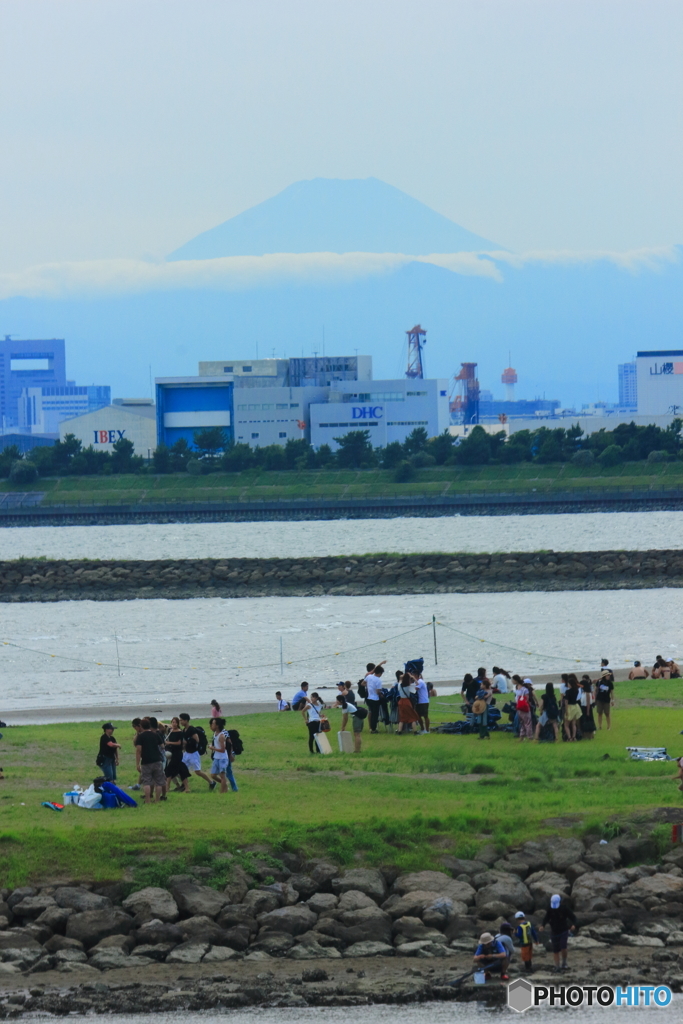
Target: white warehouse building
(659,377)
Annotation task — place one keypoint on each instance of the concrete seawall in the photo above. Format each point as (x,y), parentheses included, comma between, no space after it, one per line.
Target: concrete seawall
(71,580)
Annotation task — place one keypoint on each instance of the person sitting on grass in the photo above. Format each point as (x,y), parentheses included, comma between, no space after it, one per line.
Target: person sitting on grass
(638,671)
(491,956)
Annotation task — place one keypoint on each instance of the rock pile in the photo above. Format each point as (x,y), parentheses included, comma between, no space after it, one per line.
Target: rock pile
(69,580)
(315,910)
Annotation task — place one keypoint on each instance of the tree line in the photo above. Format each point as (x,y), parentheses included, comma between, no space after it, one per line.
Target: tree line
(212,451)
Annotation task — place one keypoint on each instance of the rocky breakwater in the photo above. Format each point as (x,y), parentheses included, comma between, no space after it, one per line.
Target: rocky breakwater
(68,580)
(352,926)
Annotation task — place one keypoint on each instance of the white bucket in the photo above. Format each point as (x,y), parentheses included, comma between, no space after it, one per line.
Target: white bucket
(480,977)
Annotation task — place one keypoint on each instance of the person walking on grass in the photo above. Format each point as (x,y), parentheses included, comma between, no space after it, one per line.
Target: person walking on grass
(221,748)
(523,707)
(604,699)
(152,775)
(194,740)
(562,922)
(108,756)
(175,769)
(550,712)
(407,714)
(312,714)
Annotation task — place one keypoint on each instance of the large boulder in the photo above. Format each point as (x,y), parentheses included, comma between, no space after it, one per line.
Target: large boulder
(18,938)
(80,900)
(93,925)
(544,884)
(366,949)
(193,899)
(237,913)
(634,851)
(591,890)
(369,925)
(274,943)
(311,950)
(125,943)
(661,885)
(460,866)
(323,872)
(158,952)
(219,955)
(152,904)
(410,929)
(259,902)
(441,911)
(604,931)
(415,904)
(435,882)
(237,937)
(322,902)
(305,885)
(17,895)
(188,953)
(513,865)
(55,918)
(562,851)
(507,889)
(33,906)
(353,900)
(202,929)
(286,893)
(294,920)
(535,855)
(238,885)
(367,880)
(159,932)
(116,960)
(58,942)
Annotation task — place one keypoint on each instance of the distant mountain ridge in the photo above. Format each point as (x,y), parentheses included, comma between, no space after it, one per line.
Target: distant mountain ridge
(335,215)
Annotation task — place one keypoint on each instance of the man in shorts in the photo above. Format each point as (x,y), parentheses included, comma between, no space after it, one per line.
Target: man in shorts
(192,760)
(604,697)
(152,760)
(491,955)
(357,716)
(422,706)
(562,922)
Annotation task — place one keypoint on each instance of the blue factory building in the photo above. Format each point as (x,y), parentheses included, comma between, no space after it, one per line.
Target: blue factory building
(188,404)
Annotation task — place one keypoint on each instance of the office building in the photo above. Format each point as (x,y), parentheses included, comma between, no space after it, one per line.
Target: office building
(41,410)
(628,386)
(133,419)
(27,363)
(659,382)
(309,371)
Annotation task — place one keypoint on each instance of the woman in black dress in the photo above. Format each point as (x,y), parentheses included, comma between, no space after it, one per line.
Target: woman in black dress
(174,743)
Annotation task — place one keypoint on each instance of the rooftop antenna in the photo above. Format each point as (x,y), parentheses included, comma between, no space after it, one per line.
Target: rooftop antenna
(415,369)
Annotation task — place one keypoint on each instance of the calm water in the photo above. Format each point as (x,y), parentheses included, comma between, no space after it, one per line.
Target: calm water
(424,1013)
(585,532)
(65,654)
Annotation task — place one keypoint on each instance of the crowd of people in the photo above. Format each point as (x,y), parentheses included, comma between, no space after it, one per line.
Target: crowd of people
(169,754)
(494,952)
(404,704)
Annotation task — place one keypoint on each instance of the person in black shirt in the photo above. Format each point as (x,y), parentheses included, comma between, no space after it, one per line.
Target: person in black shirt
(604,698)
(174,744)
(151,762)
(469,689)
(191,756)
(108,756)
(562,922)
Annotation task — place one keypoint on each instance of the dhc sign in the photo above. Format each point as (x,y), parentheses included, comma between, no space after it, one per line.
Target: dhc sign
(367,412)
(108,436)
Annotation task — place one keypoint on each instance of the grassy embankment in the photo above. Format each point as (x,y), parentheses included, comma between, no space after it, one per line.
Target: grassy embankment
(367,483)
(404,801)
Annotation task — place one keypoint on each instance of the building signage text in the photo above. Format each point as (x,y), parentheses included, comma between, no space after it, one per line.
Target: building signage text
(367,412)
(108,436)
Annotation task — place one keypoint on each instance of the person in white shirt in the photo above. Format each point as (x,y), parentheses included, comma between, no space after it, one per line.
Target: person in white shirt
(500,680)
(282,705)
(313,712)
(422,708)
(375,698)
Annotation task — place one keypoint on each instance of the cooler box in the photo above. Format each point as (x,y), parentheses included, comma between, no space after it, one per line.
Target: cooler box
(345,741)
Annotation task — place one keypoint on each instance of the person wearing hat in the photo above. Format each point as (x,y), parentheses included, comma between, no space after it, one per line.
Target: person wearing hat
(108,756)
(562,922)
(526,933)
(491,955)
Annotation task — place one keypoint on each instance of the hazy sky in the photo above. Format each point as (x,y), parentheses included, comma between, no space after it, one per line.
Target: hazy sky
(128,126)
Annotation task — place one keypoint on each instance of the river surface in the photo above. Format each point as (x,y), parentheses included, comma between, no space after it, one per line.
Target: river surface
(421,1013)
(597,531)
(73,653)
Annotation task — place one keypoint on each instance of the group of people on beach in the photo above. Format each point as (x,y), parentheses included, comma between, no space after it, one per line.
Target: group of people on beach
(494,952)
(531,712)
(168,754)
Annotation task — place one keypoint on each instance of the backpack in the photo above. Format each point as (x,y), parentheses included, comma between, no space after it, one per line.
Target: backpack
(360,713)
(362,691)
(415,667)
(201,740)
(237,745)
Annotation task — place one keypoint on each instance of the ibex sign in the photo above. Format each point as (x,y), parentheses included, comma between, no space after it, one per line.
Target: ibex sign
(108,436)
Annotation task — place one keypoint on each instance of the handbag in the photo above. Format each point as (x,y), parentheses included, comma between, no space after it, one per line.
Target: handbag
(324,725)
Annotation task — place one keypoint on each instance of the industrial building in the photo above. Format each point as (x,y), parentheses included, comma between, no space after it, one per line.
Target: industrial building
(628,386)
(271,401)
(659,382)
(130,418)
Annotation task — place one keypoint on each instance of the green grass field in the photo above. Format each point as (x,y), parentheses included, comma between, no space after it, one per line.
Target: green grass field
(403,801)
(315,484)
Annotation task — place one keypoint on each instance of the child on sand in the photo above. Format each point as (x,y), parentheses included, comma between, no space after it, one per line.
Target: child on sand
(527,935)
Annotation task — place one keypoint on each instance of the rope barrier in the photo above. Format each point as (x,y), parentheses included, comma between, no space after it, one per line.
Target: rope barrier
(517,650)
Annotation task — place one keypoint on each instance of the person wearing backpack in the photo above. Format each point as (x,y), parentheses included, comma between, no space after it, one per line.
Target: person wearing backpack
(223,756)
(194,745)
(550,712)
(528,937)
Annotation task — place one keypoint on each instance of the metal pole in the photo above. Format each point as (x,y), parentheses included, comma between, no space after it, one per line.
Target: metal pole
(436,658)
(118,663)
(282,664)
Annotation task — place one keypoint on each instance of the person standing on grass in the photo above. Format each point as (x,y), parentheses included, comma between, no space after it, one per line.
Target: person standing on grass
(422,705)
(174,745)
(562,922)
(192,759)
(221,748)
(108,757)
(572,708)
(550,712)
(604,699)
(375,697)
(679,773)
(470,688)
(313,717)
(407,715)
(215,711)
(137,729)
(152,774)
(357,715)
(523,707)
(586,700)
